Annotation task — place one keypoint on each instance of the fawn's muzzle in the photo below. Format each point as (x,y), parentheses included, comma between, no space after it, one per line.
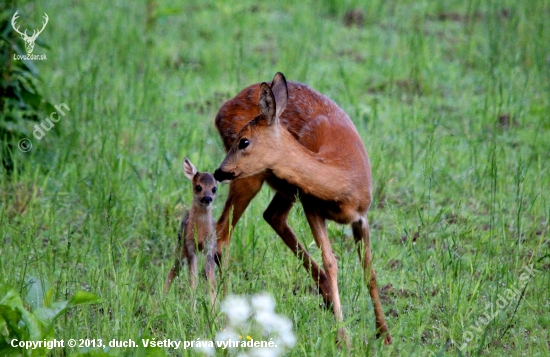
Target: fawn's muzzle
(206,199)
(222,176)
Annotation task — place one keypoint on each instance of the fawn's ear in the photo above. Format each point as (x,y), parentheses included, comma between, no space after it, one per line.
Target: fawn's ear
(267,105)
(188,169)
(280,92)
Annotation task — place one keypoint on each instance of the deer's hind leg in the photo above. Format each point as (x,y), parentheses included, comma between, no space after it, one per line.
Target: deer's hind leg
(361,233)
(319,230)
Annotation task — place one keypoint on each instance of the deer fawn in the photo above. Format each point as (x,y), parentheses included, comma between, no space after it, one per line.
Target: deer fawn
(197,231)
(303,145)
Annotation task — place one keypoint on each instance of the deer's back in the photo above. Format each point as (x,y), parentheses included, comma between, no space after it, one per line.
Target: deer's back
(317,123)
(303,116)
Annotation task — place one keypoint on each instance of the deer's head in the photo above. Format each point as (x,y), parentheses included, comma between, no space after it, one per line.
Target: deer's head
(29,40)
(256,147)
(204,184)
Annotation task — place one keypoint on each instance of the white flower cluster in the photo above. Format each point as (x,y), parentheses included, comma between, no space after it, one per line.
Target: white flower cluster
(254,329)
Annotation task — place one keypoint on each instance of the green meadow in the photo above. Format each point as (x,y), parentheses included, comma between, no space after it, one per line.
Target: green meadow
(451,99)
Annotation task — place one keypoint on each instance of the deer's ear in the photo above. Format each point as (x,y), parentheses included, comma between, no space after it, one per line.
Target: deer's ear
(267,104)
(188,169)
(280,92)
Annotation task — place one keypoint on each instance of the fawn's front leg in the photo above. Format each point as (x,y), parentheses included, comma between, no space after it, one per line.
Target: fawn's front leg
(192,259)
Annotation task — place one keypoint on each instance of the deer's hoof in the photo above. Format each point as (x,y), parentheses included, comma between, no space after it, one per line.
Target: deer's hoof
(343,339)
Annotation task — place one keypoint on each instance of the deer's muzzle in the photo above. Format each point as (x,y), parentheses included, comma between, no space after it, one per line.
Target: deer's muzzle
(223,176)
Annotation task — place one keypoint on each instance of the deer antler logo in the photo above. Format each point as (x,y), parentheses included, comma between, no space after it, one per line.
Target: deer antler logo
(29,40)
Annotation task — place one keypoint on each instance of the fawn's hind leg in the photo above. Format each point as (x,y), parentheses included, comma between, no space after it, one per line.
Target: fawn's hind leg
(209,269)
(180,256)
(210,266)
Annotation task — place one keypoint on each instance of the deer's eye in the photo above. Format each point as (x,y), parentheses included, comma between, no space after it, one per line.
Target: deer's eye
(198,188)
(214,190)
(243,144)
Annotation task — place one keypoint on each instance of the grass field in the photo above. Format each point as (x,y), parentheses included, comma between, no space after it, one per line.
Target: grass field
(451,98)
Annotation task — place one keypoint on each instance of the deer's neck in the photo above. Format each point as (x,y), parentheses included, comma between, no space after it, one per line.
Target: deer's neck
(199,212)
(311,173)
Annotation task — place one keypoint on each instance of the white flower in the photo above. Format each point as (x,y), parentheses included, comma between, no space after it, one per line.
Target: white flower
(206,349)
(287,338)
(227,334)
(274,324)
(255,317)
(265,352)
(237,309)
(263,302)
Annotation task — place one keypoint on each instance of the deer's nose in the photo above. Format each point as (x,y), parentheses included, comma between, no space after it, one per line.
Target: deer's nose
(222,176)
(206,199)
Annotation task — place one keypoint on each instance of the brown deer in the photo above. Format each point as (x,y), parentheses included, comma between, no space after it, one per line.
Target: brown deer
(303,145)
(197,231)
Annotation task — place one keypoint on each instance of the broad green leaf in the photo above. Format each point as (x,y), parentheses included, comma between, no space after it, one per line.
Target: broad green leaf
(83,298)
(9,321)
(34,327)
(8,351)
(48,298)
(47,315)
(36,293)
(10,297)
(10,329)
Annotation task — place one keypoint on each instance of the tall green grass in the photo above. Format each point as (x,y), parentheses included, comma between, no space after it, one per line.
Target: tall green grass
(452,100)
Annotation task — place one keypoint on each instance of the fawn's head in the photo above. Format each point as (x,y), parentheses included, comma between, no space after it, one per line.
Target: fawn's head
(204,184)
(256,146)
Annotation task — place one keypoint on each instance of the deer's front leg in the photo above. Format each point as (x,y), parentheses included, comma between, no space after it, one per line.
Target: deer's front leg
(241,192)
(276,215)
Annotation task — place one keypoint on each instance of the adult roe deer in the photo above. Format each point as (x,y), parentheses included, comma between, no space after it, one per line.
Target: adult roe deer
(197,231)
(302,144)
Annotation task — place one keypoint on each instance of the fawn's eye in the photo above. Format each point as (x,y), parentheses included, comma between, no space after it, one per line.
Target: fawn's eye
(243,144)
(214,190)
(198,188)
